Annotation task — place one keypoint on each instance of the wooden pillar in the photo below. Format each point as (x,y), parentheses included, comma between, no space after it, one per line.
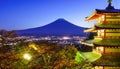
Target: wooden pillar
(104,50)
(104,33)
(105,18)
(103,67)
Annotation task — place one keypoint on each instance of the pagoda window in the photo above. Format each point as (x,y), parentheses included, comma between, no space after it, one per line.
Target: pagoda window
(100,33)
(101,19)
(100,49)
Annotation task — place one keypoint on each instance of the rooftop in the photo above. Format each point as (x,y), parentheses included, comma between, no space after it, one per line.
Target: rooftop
(107,26)
(108,9)
(107,42)
(103,26)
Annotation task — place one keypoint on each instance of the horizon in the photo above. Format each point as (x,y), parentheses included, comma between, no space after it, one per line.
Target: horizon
(25,14)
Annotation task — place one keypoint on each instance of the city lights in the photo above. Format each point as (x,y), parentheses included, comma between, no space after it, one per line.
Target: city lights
(66,38)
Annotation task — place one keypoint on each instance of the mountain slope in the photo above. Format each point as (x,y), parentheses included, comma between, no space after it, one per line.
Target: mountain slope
(59,27)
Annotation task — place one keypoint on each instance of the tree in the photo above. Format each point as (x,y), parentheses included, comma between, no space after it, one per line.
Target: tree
(6,35)
(91,35)
(46,56)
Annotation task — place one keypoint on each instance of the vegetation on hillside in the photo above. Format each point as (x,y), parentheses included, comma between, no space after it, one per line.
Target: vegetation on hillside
(39,55)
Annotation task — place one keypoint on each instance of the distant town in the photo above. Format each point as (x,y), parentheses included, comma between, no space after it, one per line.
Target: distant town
(65,40)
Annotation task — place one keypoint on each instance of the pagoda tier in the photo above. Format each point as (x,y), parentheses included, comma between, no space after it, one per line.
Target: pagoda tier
(107,42)
(107,26)
(105,21)
(111,63)
(110,10)
(103,26)
(99,12)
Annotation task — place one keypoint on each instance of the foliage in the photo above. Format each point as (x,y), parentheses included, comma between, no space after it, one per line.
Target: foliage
(44,56)
(79,58)
(5,39)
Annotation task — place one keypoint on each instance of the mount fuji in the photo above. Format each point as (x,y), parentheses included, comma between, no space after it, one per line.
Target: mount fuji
(59,27)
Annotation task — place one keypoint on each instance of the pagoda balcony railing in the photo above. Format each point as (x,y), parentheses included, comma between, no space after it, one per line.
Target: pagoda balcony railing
(108,37)
(109,22)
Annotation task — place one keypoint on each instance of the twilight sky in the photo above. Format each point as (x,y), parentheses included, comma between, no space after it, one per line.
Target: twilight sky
(23,14)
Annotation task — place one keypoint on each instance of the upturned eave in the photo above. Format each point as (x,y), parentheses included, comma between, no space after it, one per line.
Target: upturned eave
(92,16)
(98,12)
(93,29)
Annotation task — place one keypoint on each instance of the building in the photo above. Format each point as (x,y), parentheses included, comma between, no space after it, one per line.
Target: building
(107,40)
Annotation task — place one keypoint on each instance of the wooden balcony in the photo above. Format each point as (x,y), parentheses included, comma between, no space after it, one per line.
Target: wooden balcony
(111,37)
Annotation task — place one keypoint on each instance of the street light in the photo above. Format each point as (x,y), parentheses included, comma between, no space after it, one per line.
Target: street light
(27,56)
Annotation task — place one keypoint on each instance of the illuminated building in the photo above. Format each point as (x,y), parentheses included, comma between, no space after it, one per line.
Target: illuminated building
(107,40)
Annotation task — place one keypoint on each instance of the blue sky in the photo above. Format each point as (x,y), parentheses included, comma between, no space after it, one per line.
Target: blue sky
(23,14)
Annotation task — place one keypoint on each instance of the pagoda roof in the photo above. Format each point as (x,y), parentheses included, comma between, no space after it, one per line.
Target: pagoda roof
(97,12)
(107,42)
(108,10)
(90,30)
(103,26)
(108,60)
(107,26)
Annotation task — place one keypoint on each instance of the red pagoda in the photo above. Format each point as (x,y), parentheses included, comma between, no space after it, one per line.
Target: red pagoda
(107,41)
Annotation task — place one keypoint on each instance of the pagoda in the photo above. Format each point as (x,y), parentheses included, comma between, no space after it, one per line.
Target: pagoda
(107,41)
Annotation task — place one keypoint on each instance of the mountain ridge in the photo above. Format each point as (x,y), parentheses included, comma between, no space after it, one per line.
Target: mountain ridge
(59,27)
